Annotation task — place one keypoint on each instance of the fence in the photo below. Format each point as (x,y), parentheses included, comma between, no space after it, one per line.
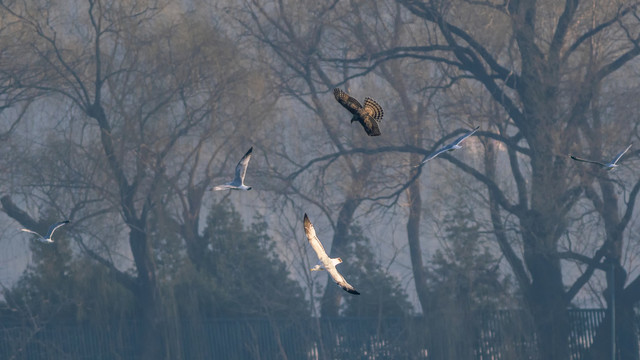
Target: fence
(501,335)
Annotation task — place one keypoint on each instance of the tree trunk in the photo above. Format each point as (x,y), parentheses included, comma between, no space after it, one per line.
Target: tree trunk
(413,237)
(146,297)
(625,321)
(625,325)
(548,308)
(541,227)
(330,303)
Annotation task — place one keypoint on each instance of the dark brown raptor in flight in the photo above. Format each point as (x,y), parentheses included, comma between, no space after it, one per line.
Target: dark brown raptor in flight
(368,115)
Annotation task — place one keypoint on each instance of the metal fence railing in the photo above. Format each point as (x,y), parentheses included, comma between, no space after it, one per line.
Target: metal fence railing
(496,335)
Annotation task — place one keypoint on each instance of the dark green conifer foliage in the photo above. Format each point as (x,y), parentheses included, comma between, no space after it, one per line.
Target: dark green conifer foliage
(381,293)
(243,275)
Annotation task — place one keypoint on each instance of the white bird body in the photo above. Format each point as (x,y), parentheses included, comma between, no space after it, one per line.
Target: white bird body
(455,145)
(238,181)
(326,263)
(319,266)
(231,186)
(47,238)
(608,166)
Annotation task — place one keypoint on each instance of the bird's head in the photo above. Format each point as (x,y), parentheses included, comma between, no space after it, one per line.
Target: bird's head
(339,260)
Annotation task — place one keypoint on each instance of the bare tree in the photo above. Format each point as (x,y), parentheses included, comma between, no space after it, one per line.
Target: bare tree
(542,84)
(600,189)
(295,44)
(151,89)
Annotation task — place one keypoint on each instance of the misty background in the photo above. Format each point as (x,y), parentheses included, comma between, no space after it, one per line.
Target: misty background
(121,115)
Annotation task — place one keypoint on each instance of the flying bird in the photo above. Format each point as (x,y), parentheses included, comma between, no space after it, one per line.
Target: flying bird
(608,166)
(368,115)
(238,180)
(327,263)
(47,238)
(452,146)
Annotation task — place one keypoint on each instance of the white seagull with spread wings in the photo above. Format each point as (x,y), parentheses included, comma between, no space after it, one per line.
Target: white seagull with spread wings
(238,180)
(47,238)
(327,263)
(609,166)
(452,146)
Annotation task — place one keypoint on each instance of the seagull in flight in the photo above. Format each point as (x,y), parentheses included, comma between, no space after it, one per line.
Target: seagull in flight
(609,166)
(47,238)
(238,180)
(368,115)
(452,146)
(326,262)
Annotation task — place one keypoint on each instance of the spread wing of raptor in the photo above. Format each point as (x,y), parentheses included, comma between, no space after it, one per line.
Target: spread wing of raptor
(368,115)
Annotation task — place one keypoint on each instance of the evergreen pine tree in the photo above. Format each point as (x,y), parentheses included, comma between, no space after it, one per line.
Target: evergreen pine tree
(243,275)
(382,295)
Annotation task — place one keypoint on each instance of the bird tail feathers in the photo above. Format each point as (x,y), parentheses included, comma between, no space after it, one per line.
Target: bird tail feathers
(377,109)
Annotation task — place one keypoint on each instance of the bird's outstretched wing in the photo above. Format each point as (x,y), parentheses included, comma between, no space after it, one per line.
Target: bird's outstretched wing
(434,154)
(463,137)
(615,160)
(315,242)
(31,231)
(347,101)
(370,125)
(324,258)
(339,279)
(588,161)
(241,168)
(55,226)
(452,146)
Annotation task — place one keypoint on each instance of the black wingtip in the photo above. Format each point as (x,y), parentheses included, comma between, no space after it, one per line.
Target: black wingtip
(66,221)
(306,218)
(351,291)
